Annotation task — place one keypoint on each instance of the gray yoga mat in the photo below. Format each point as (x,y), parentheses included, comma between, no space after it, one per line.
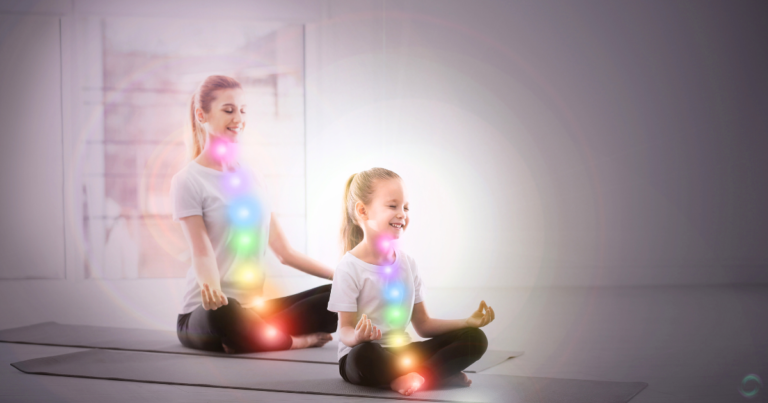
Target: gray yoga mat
(158,341)
(307,378)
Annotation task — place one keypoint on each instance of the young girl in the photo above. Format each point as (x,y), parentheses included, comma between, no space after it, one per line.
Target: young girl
(377,291)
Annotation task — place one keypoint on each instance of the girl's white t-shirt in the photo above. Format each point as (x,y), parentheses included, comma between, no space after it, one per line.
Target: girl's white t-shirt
(199,190)
(378,292)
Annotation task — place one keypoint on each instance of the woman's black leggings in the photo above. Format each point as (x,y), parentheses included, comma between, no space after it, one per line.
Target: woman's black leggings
(267,328)
(435,359)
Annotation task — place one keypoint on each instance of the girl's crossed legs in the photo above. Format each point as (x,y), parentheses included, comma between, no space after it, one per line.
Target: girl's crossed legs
(436,359)
(267,328)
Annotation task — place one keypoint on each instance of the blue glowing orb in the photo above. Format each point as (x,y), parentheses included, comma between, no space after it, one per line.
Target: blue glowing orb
(244,211)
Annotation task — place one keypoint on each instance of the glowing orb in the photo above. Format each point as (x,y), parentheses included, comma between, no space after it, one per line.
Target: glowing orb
(236,182)
(247,273)
(406,362)
(259,303)
(249,276)
(395,315)
(398,341)
(244,211)
(245,242)
(394,292)
(223,150)
(271,332)
(385,243)
(751,378)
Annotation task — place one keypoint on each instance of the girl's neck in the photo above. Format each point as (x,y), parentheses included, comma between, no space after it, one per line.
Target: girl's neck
(375,253)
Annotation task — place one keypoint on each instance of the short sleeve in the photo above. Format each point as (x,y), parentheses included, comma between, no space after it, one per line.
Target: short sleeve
(418,287)
(344,291)
(186,199)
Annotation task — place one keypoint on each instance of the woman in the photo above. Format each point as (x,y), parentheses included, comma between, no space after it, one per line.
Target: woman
(225,228)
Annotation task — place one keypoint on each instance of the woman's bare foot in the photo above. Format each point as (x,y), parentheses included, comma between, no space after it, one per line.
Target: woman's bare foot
(407,384)
(461,379)
(310,340)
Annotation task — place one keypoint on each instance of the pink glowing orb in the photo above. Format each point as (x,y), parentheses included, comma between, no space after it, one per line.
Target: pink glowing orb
(385,243)
(223,150)
(271,332)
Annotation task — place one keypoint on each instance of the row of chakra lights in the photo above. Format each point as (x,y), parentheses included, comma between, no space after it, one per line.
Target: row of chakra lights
(394,294)
(244,211)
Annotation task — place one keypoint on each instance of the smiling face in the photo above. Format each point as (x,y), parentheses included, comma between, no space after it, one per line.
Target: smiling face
(226,119)
(386,215)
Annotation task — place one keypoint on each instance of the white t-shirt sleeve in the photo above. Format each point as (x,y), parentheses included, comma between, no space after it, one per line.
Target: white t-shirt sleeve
(344,291)
(418,287)
(186,199)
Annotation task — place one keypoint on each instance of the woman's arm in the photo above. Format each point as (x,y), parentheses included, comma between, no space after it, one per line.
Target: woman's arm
(426,326)
(291,257)
(352,335)
(203,261)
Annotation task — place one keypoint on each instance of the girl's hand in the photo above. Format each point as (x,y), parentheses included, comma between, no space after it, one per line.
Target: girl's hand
(365,331)
(482,316)
(212,299)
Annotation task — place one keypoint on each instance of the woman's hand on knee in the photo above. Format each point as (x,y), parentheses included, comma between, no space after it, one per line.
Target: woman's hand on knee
(482,316)
(212,299)
(365,331)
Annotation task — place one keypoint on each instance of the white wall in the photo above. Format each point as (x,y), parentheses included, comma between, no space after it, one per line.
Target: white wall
(548,143)
(543,143)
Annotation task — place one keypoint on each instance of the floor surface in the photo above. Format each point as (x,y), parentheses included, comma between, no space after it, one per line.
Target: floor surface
(691,344)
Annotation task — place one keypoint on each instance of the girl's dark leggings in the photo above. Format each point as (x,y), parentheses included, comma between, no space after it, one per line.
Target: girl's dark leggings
(435,359)
(266,328)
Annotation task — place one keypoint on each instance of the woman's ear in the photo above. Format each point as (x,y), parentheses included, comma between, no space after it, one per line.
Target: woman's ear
(199,115)
(360,211)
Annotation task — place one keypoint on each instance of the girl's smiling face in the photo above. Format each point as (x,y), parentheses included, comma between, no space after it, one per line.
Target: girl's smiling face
(226,118)
(387,213)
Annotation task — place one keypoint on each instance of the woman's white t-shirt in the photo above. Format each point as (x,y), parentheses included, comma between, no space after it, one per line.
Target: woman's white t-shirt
(199,190)
(377,292)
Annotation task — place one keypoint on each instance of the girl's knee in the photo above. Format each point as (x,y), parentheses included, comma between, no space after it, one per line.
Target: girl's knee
(476,337)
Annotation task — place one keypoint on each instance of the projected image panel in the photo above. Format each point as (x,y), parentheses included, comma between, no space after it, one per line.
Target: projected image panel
(151,67)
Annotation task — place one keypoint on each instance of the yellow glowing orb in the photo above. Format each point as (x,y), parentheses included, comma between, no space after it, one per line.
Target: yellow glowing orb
(406,362)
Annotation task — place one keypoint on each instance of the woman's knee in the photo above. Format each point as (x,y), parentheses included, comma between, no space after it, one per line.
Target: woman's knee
(224,314)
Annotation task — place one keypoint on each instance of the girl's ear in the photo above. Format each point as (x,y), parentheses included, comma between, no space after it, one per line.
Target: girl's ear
(199,115)
(360,211)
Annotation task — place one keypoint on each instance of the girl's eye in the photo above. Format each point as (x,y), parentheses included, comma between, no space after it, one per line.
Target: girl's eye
(229,111)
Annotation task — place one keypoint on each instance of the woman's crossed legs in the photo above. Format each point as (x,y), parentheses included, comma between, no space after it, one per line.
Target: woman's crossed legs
(233,328)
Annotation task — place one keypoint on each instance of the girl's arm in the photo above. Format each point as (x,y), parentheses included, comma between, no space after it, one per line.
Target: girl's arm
(431,327)
(291,257)
(352,335)
(203,261)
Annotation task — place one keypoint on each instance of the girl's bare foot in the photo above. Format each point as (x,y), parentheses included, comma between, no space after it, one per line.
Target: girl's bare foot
(407,384)
(461,379)
(310,340)
(227,349)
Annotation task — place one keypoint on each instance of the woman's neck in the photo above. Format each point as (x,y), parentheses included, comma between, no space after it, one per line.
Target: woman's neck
(376,252)
(207,161)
